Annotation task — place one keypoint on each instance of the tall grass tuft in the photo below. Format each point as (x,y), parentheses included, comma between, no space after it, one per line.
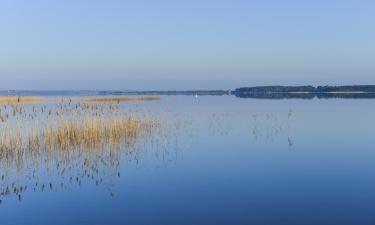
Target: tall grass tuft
(14,100)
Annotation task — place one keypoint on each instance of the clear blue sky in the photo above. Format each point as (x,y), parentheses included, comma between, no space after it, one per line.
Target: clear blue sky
(185,44)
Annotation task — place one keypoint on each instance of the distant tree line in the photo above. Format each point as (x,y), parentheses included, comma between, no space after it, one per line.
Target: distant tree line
(275,89)
(306,89)
(349,88)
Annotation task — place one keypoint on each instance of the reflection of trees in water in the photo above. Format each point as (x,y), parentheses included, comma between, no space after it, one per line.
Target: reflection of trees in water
(269,126)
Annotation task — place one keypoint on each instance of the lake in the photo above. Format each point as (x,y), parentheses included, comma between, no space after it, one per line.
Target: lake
(218,160)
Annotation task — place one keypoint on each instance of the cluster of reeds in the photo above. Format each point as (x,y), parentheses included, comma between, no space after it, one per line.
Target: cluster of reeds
(21,100)
(66,169)
(88,132)
(91,132)
(75,140)
(68,123)
(17,112)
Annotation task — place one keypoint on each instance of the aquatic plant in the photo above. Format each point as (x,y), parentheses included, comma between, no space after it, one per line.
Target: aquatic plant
(14,100)
(73,141)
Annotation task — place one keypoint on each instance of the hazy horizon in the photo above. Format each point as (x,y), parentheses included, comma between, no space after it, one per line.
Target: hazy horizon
(151,85)
(192,44)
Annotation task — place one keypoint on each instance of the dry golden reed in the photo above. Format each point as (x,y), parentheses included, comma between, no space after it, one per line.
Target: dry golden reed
(67,125)
(13,100)
(75,142)
(88,133)
(93,132)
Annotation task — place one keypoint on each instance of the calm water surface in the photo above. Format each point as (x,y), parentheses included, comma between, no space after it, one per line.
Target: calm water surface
(225,160)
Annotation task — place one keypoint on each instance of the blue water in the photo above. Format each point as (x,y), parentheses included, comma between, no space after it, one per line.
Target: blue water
(231,161)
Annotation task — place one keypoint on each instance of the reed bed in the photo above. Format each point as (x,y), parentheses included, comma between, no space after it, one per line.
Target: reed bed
(89,132)
(15,100)
(93,132)
(66,125)
(75,142)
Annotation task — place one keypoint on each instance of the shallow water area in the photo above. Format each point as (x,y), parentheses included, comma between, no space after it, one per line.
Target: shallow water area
(204,160)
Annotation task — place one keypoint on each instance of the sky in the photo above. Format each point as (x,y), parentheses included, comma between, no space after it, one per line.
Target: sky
(185,44)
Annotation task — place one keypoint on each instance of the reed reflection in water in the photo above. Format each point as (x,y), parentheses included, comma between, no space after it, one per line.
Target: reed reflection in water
(269,126)
(262,126)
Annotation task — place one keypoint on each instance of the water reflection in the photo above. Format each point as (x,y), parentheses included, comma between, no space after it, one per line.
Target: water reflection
(264,127)
(65,169)
(269,126)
